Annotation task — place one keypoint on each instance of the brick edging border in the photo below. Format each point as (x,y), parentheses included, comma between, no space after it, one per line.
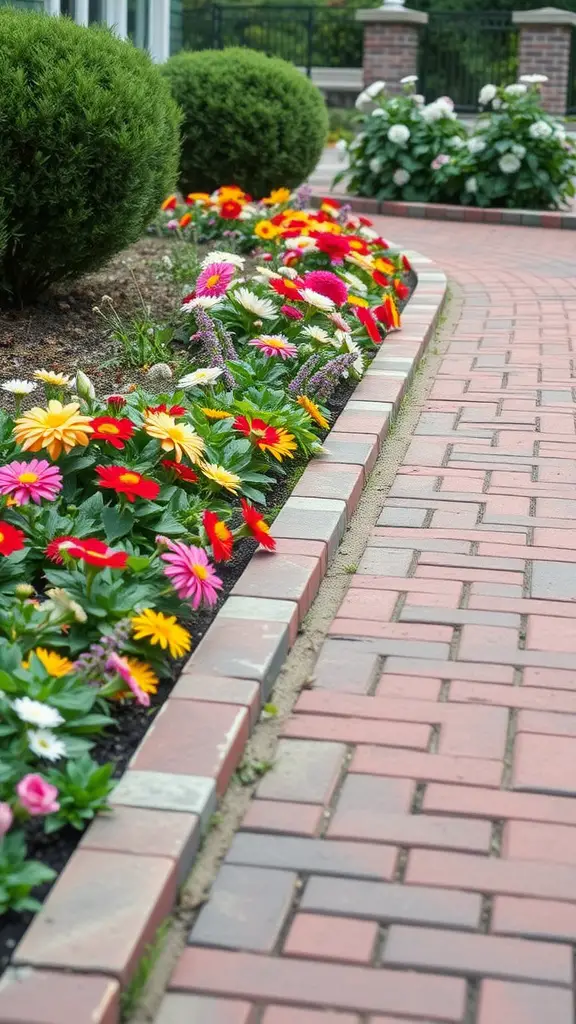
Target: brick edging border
(440,211)
(122,881)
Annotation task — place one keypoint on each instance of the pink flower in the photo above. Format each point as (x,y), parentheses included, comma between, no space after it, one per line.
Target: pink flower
(191,574)
(439,161)
(326,283)
(6,818)
(214,280)
(339,322)
(173,224)
(34,480)
(292,312)
(119,665)
(37,796)
(274,345)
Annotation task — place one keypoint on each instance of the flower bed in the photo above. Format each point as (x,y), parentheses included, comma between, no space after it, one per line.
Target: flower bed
(516,157)
(118,512)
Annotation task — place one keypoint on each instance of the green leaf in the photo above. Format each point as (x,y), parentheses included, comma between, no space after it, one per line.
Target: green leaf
(117,523)
(138,562)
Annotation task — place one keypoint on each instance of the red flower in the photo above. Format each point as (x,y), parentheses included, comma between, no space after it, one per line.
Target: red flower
(380,243)
(358,245)
(365,221)
(184,472)
(185,220)
(11,539)
(291,312)
(326,283)
(116,401)
(329,204)
(387,313)
(260,433)
(94,552)
(53,549)
(402,290)
(188,298)
(112,430)
(368,322)
(284,286)
(406,263)
(335,246)
(230,210)
(174,410)
(128,482)
(380,278)
(169,203)
(256,525)
(219,536)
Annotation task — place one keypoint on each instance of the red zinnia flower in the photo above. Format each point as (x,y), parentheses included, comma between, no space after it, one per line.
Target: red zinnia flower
(402,290)
(184,472)
(11,539)
(326,283)
(91,550)
(368,322)
(406,263)
(219,536)
(231,209)
(257,526)
(335,246)
(291,312)
(380,278)
(174,410)
(128,482)
(112,430)
(284,286)
(116,401)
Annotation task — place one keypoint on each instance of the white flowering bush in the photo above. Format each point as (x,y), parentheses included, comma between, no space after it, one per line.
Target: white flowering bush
(401,141)
(518,156)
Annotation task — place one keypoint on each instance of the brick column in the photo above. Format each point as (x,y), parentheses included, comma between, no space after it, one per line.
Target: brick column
(390,44)
(544,48)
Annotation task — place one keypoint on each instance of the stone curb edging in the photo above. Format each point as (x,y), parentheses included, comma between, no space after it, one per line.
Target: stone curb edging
(122,881)
(440,211)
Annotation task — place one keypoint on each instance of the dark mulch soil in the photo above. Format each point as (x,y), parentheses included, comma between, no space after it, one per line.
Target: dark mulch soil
(63,333)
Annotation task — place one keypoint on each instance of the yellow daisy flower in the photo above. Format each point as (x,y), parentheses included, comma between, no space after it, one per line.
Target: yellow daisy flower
(266,229)
(147,679)
(173,436)
(281,443)
(57,428)
(355,300)
(364,262)
(55,664)
(217,414)
(312,409)
(163,630)
(277,195)
(229,481)
(58,380)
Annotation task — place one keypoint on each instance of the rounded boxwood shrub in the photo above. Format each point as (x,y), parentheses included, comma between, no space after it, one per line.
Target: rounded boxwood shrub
(89,146)
(251,120)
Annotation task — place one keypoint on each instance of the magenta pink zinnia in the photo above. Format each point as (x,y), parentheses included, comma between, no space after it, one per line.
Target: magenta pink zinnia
(30,481)
(274,345)
(326,283)
(119,665)
(214,280)
(191,574)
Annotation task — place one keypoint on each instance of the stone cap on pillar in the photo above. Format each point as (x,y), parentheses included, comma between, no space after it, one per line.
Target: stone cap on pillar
(544,16)
(392,15)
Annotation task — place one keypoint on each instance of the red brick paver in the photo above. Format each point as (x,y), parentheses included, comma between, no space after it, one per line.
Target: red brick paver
(420,809)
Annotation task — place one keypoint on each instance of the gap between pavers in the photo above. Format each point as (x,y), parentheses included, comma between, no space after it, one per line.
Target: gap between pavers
(166,798)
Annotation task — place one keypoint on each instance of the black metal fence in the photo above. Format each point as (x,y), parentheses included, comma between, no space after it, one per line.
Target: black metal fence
(462,51)
(571,100)
(307,36)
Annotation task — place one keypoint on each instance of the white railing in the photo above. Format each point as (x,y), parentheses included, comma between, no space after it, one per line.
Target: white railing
(115,14)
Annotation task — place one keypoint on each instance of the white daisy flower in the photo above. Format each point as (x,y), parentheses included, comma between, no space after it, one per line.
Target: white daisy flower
(45,744)
(287,272)
(19,387)
(358,287)
(263,308)
(223,257)
(204,301)
(302,242)
(315,299)
(318,333)
(205,375)
(36,713)
(267,274)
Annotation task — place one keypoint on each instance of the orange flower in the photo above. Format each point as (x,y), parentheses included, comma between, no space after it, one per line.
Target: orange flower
(257,527)
(219,536)
(169,203)
(185,220)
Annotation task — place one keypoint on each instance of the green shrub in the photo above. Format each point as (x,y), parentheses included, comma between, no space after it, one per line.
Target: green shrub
(88,149)
(251,120)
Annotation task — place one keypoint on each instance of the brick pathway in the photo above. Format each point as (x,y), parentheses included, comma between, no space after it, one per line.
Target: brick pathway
(421,816)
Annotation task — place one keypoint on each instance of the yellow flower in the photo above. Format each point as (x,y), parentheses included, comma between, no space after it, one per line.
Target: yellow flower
(312,410)
(283,444)
(364,262)
(58,380)
(54,663)
(163,630)
(266,229)
(230,481)
(355,300)
(173,436)
(59,427)
(147,679)
(198,197)
(384,266)
(216,414)
(277,195)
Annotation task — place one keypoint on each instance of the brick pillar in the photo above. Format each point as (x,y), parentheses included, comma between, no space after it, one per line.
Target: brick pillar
(544,49)
(390,44)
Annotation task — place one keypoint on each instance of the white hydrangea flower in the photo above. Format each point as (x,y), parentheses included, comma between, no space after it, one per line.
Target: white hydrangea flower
(366,98)
(379,112)
(37,713)
(508,163)
(45,744)
(375,165)
(375,89)
(559,133)
(455,142)
(533,79)
(357,140)
(401,177)
(217,256)
(19,387)
(399,134)
(317,300)
(251,302)
(518,150)
(440,109)
(540,130)
(497,103)
(517,89)
(409,80)
(418,99)
(487,94)
(205,375)
(476,145)
(471,185)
